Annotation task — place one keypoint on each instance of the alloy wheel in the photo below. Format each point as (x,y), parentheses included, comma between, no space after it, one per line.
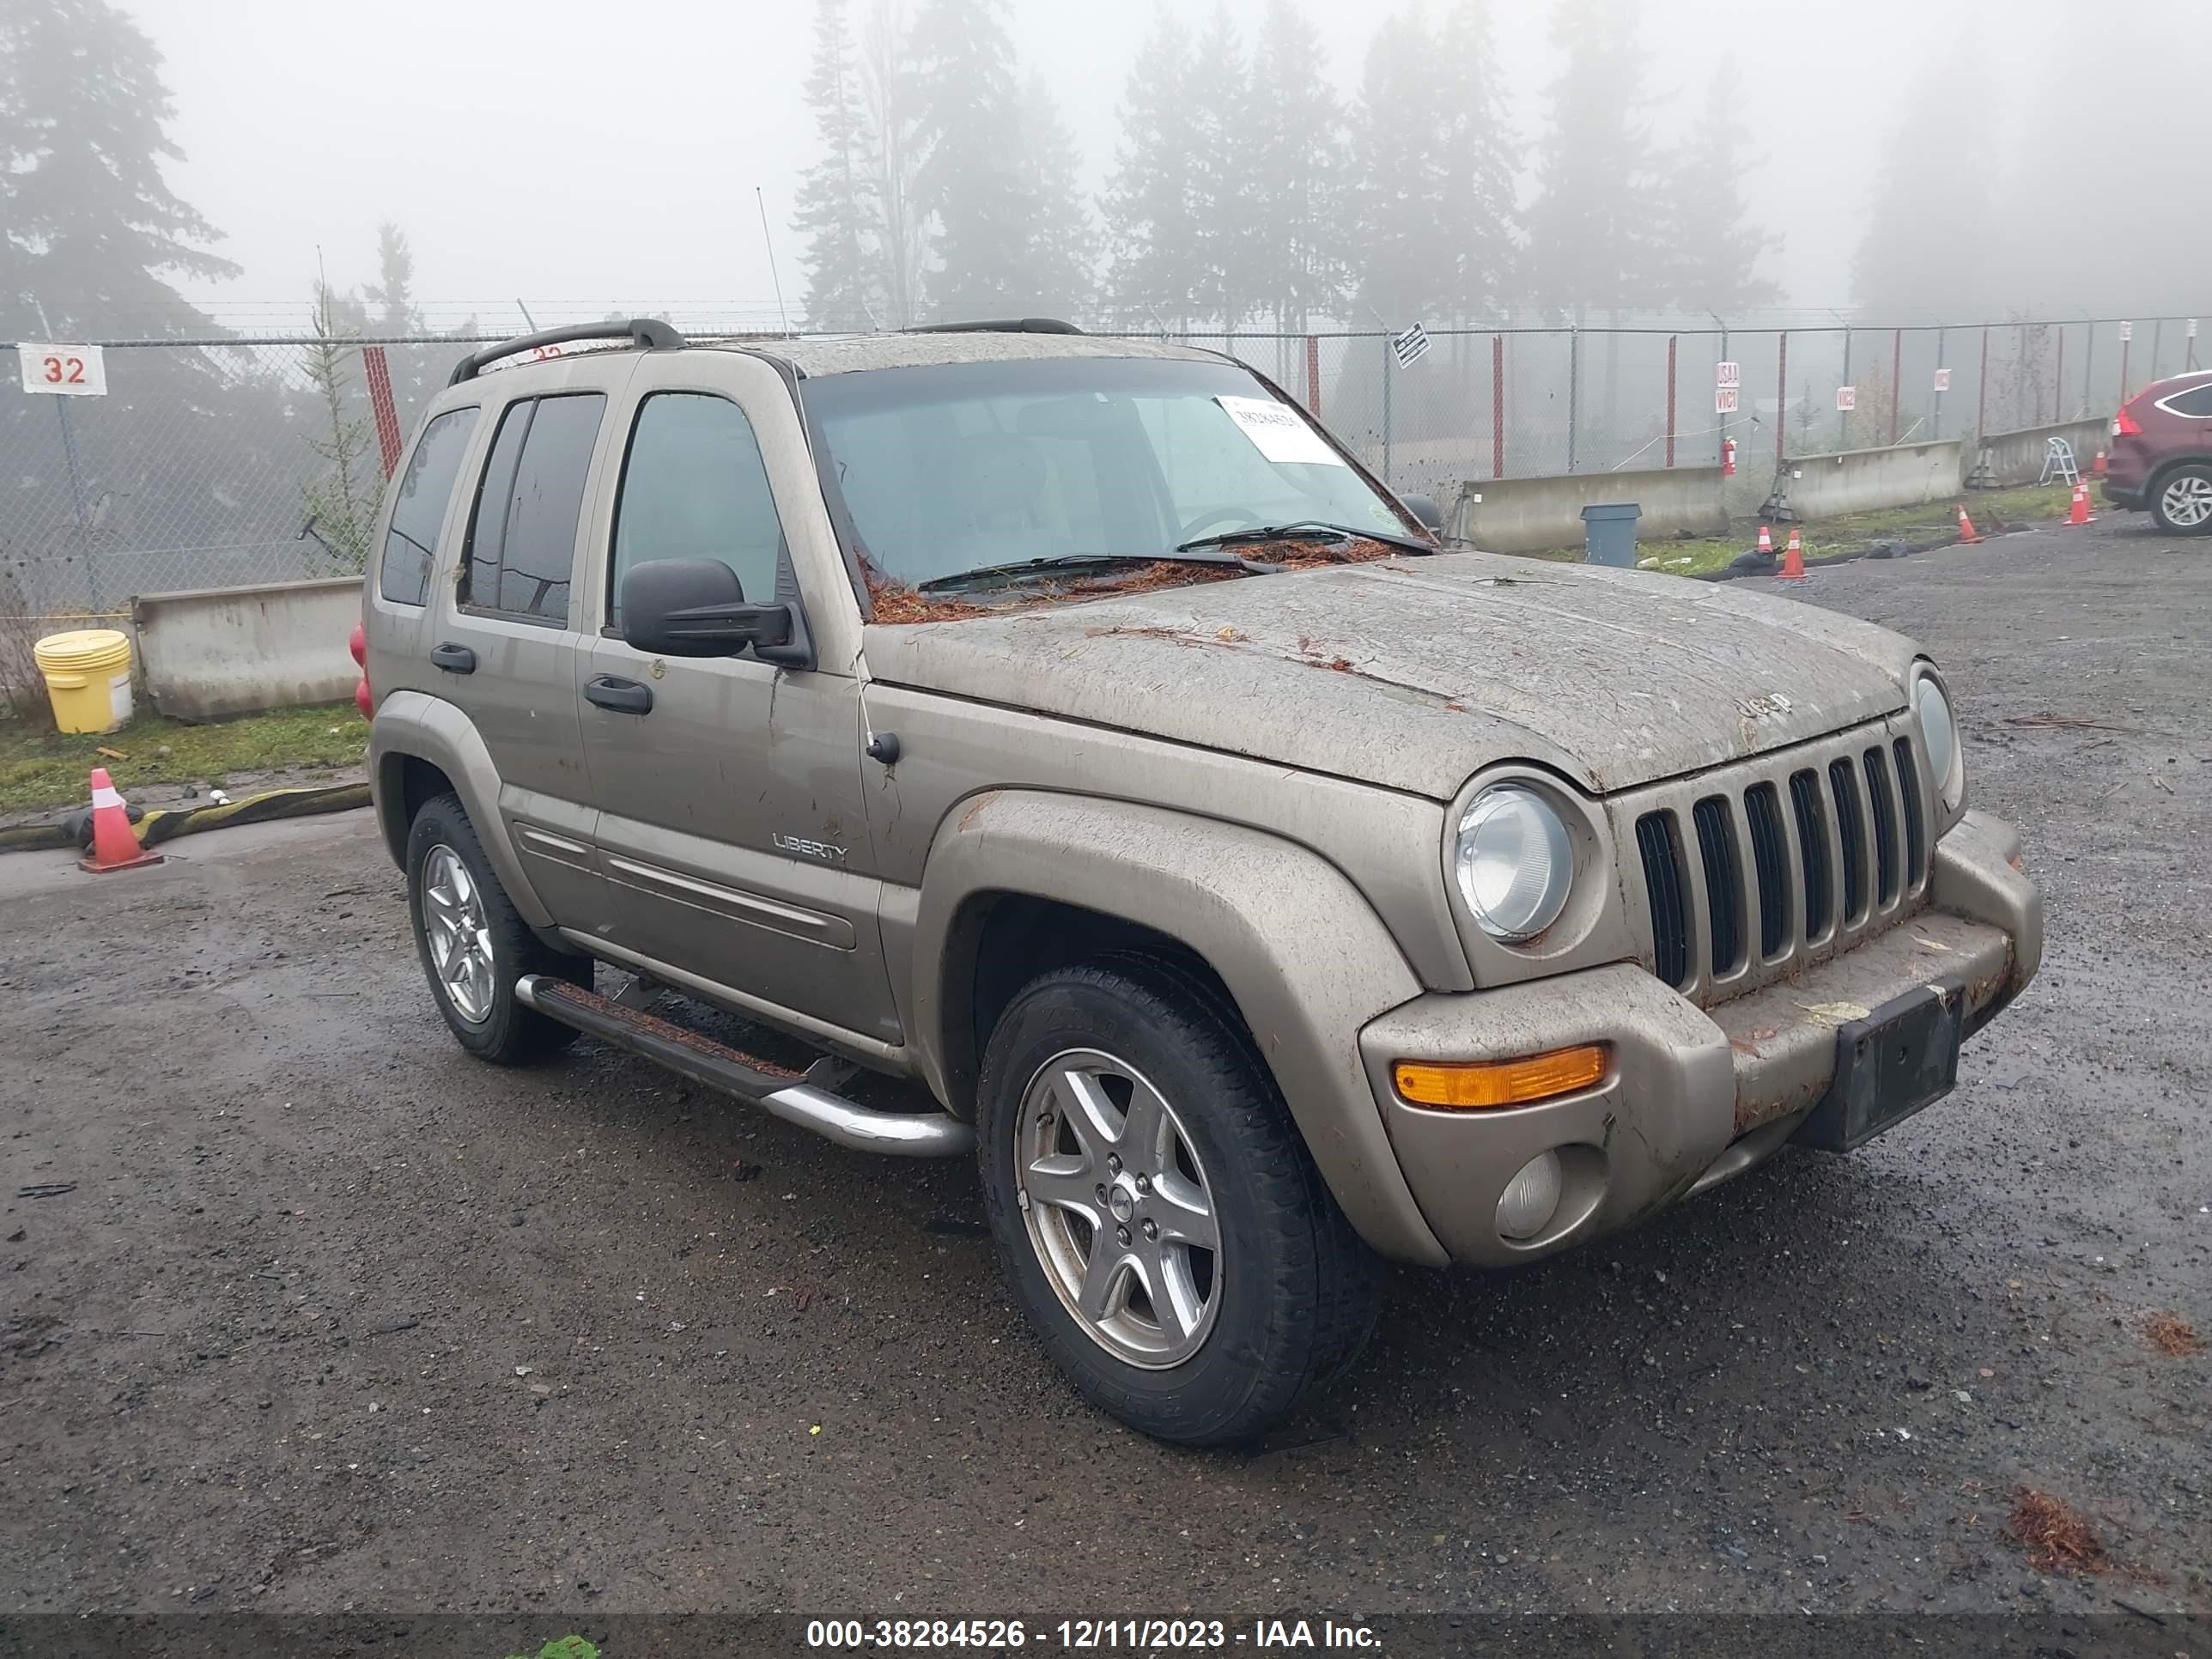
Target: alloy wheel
(459,941)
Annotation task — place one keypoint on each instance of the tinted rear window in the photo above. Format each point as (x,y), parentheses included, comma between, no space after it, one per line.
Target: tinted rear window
(2195,402)
(522,543)
(410,546)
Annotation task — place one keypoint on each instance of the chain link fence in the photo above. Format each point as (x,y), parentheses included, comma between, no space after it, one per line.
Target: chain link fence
(240,461)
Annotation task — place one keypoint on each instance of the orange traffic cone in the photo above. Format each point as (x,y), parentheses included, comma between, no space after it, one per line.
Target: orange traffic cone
(1765,542)
(113,845)
(2097,467)
(2079,512)
(1793,561)
(1966,532)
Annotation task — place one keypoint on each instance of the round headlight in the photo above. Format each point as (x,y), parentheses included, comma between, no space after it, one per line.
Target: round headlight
(1939,736)
(1514,861)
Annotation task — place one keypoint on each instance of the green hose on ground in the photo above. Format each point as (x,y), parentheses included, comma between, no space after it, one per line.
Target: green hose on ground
(167,823)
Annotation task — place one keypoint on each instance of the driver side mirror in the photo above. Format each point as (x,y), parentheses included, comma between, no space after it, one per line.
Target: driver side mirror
(697,608)
(1425,509)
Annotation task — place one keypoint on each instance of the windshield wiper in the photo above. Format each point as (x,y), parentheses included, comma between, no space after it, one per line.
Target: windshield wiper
(1019,568)
(1305,529)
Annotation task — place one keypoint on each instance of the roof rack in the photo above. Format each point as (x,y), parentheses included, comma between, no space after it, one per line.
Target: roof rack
(648,333)
(1009,325)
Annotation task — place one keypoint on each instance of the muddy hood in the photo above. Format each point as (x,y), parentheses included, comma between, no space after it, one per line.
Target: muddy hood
(1413,673)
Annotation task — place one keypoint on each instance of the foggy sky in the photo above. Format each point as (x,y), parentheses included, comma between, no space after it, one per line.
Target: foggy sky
(582,156)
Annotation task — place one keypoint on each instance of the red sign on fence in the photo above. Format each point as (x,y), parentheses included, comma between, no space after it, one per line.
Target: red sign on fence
(1847,398)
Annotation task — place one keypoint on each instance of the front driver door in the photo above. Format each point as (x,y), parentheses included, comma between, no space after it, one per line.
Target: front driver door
(732,831)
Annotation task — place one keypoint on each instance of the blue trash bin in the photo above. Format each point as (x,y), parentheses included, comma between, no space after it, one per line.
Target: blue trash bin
(1609,533)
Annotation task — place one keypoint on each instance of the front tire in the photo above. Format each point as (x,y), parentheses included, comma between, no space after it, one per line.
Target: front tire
(2181,501)
(474,946)
(1216,1283)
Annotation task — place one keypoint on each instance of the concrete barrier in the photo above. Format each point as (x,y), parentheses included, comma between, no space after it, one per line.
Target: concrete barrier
(1539,515)
(1858,480)
(2007,458)
(222,650)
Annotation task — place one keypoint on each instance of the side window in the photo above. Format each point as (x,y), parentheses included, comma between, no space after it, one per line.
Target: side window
(521,549)
(694,487)
(410,546)
(2195,402)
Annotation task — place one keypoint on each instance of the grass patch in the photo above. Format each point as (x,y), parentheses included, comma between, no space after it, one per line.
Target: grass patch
(41,768)
(1937,521)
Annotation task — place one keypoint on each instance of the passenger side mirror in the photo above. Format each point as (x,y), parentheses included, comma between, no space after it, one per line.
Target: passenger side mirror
(1425,509)
(696,608)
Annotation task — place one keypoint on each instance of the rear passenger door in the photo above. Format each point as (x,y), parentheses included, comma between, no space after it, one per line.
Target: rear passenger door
(732,833)
(509,642)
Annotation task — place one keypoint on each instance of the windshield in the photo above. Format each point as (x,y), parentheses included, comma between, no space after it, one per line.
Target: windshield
(960,466)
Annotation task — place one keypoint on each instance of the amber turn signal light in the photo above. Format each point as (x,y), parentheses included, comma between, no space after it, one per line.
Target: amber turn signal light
(1475,1085)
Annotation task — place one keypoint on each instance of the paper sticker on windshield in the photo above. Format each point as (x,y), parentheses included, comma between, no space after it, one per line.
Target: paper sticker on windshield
(1277,433)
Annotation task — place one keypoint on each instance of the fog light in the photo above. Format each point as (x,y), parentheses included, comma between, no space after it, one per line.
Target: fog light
(1531,1197)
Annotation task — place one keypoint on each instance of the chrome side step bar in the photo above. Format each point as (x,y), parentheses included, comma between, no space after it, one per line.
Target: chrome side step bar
(786,1095)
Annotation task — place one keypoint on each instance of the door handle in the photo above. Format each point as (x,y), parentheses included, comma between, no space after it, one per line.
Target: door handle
(453,658)
(626,696)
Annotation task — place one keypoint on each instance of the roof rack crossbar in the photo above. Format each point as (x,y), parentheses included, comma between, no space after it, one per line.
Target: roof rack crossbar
(1008,326)
(649,334)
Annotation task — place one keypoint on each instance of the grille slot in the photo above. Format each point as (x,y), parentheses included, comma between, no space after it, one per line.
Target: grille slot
(1850,831)
(1715,827)
(1770,854)
(1883,805)
(1916,827)
(1813,848)
(1656,842)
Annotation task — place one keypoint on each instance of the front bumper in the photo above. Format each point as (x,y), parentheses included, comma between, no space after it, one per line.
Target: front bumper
(1694,1095)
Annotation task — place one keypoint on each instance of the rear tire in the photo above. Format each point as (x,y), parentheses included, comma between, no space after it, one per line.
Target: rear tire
(1233,1286)
(474,946)
(2180,501)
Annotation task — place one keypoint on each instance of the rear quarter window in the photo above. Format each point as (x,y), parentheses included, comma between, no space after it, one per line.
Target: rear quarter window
(2195,402)
(410,543)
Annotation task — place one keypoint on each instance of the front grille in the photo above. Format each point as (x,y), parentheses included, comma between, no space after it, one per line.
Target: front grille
(1769,856)
(1729,870)
(1723,882)
(1851,836)
(1663,881)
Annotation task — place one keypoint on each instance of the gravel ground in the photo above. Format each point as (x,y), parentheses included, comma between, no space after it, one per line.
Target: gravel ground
(334,1318)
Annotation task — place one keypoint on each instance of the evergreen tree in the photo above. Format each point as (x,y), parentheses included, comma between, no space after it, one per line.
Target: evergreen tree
(1931,201)
(1480,162)
(1057,274)
(836,211)
(392,293)
(1707,250)
(1591,234)
(888,95)
(1224,206)
(90,236)
(969,179)
(341,501)
(1150,205)
(1298,172)
(88,227)
(1407,265)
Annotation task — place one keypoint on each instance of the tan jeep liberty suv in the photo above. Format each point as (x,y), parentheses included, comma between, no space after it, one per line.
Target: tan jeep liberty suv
(1073,726)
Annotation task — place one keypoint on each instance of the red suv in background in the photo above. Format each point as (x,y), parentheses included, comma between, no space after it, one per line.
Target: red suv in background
(2161,457)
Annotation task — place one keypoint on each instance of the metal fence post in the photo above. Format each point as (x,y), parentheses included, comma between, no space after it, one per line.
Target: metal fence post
(1313,376)
(77,501)
(1574,388)
(2125,329)
(1843,415)
(1389,363)
(1780,395)
(1722,443)
(1935,417)
(2058,380)
(1673,341)
(1896,382)
(1497,405)
(2157,344)
(2088,367)
(1982,397)
(378,372)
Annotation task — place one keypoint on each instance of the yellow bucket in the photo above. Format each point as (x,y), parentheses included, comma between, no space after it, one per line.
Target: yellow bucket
(87,674)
